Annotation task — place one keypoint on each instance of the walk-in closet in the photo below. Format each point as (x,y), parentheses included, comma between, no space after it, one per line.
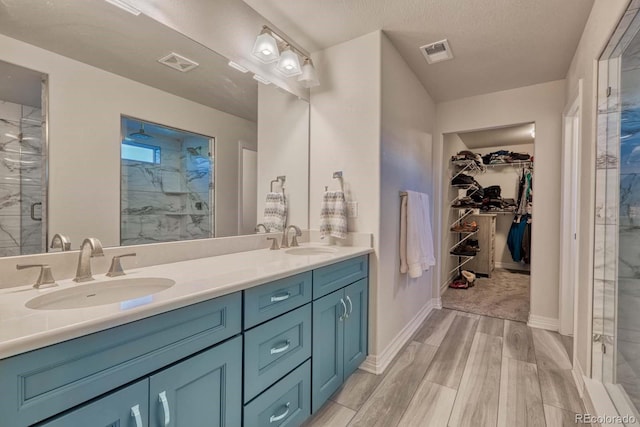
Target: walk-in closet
(489,196)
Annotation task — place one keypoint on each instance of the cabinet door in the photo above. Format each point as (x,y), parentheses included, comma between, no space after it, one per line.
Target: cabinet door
(355,326)
(328,346)
(124,408)
(204,390)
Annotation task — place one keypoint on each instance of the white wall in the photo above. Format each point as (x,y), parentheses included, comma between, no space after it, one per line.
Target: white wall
(376,127)
(602,21)
(408,120)
(283,149)
(85,105)
(345,136)
(542,104)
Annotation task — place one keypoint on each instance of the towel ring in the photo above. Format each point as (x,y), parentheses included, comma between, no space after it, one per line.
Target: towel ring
(281,179)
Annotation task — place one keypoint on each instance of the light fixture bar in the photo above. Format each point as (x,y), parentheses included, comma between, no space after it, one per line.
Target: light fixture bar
(238,67)
(261,79)
(125,6)
(281,39)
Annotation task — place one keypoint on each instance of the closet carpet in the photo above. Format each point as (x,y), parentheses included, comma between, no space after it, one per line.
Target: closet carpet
(505,295)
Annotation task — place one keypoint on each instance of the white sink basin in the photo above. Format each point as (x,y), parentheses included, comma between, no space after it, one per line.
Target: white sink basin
(310,250)
(99,293)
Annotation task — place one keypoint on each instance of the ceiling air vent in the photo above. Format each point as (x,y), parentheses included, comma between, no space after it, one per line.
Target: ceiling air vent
(178,62)
(436,52)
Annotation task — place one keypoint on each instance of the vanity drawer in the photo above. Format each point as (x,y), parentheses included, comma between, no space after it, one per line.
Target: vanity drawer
(288,402)
(333,277)
(273,299)
(44,382)
(274,348)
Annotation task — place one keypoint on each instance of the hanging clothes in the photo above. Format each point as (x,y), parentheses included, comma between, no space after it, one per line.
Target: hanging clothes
(525,191)
(516,237)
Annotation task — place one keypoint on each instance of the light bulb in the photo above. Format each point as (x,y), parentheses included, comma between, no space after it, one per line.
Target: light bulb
(289,64)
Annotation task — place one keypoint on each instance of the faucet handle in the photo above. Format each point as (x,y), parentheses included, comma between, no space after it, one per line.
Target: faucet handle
(45,279)
(116,265)
(274,243)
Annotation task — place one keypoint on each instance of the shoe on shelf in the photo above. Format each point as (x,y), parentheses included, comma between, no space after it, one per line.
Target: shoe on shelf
(464,250)
(473,243)
(459,284)
(469,276)
(465,227)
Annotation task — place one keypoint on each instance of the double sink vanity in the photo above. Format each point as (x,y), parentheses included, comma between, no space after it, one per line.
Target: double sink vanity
(253,338)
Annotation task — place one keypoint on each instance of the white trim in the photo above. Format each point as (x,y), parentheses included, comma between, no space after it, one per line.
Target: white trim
(541,322)
(569,214)
(598,402)
(377,364)
(578,378)
(512,265)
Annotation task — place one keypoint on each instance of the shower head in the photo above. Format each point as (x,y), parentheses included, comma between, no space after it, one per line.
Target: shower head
(141,134)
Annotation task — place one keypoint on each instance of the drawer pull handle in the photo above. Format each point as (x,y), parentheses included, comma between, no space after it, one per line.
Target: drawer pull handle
(135,413)
(281,297)
(165,407)
(276,418)
(350,306)
(276,350)
(344,306)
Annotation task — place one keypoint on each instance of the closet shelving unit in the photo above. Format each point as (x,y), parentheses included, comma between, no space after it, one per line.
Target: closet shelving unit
(463,166)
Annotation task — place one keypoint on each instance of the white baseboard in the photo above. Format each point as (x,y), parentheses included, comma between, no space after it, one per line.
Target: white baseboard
(598,403)
(377,364)
(437,303)
(513,266)
(541,322)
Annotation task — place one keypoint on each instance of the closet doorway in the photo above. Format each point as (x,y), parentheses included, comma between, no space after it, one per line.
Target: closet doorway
(488,198)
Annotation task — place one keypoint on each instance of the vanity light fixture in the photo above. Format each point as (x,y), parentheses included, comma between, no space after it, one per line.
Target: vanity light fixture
(238,67)
(266,47)
(261,79)
(309,76)
(289,64)
(125,6)
(271,46)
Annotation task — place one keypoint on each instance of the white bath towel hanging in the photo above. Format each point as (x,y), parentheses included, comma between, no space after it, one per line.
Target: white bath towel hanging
(333,215)
(275,212)
(417,255)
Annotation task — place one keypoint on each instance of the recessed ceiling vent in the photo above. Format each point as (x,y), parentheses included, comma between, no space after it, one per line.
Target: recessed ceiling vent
(436,52)
(178,62)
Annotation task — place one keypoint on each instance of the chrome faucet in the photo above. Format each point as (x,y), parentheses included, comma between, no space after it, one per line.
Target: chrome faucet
(257,229)
(285,236)
(61,241)
(91,247)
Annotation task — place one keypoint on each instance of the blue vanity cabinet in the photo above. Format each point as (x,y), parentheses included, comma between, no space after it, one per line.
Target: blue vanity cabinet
(203,390)
(203,387)
(340,326)
(42,383)
(128,407)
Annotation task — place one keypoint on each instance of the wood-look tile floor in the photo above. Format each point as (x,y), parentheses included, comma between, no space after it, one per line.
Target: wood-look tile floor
(463,370)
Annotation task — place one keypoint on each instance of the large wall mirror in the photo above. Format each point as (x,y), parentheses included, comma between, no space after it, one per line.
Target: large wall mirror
(115,126)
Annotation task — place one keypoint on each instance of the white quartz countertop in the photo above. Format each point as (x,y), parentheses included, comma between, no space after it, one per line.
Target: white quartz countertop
(23,329)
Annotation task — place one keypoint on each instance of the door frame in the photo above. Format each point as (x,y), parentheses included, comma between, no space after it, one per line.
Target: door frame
(569,214)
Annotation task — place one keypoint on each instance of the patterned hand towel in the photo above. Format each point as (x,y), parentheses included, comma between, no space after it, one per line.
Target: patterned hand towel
(275,212)
(333,215)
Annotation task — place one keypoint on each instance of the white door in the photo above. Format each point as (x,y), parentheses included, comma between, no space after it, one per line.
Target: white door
(570,215)
(249,188)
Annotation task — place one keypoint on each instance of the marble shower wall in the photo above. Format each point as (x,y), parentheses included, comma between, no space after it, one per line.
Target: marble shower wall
(616,306)
(169,201)
(22,180)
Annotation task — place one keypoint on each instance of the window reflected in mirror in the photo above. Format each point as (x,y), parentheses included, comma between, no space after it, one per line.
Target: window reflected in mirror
(167,184)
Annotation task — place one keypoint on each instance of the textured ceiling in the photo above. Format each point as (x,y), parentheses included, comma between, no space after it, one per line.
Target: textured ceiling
(504,136)
(99,34)
(498,44)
